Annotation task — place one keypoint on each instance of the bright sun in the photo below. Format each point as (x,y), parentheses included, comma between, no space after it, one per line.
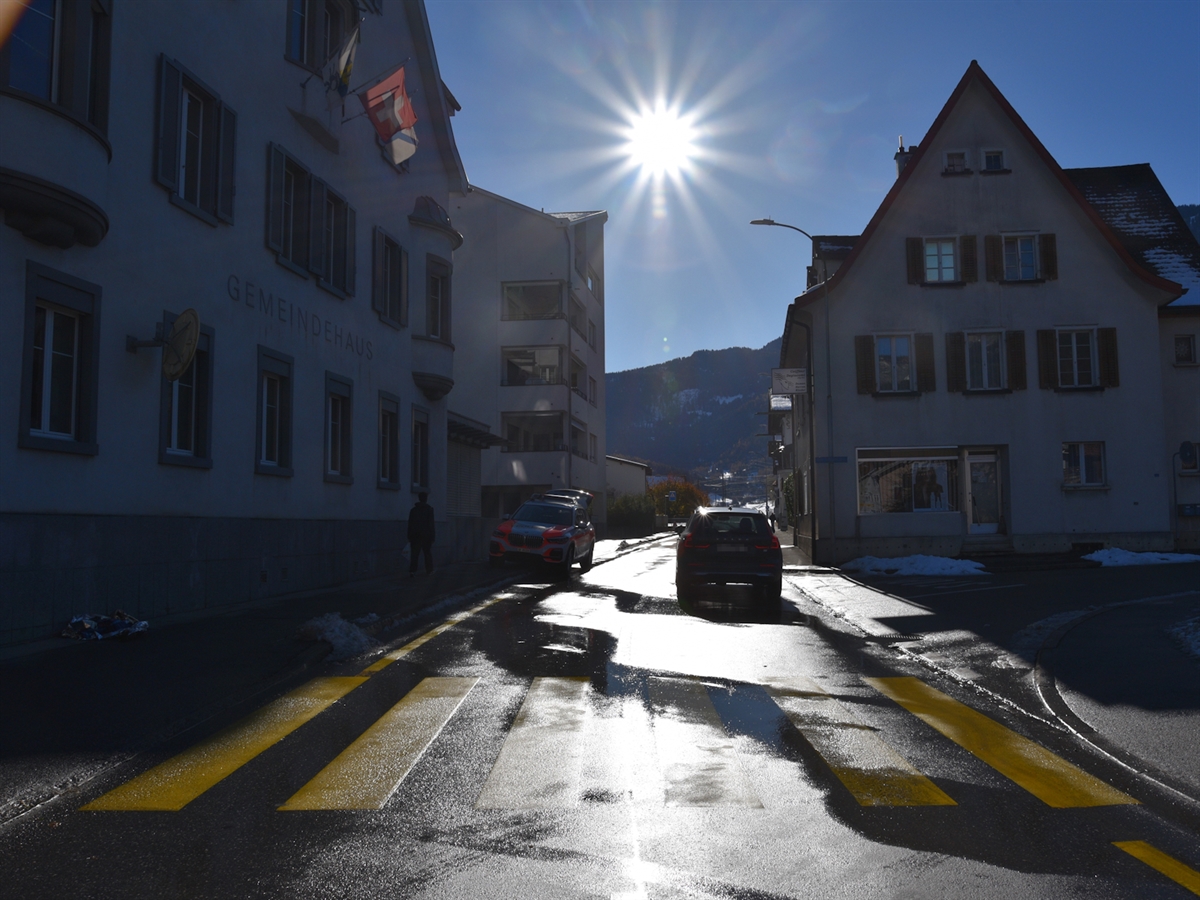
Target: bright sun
(660,141)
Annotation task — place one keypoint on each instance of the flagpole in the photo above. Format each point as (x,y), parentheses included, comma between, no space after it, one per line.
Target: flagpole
(380,76)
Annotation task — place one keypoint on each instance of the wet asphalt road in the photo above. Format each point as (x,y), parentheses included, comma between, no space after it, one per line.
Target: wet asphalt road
(592,739)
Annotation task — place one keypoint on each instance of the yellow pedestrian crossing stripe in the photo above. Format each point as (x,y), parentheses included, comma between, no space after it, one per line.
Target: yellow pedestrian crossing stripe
(180,780)
(367,773)
(1178,872)
(539,764)
(874,773)
(1048,777)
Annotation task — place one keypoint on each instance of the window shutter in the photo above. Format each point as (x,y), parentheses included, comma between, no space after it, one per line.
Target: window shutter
(320,260)
(926,374)
(1014,349)
(403,287)
(1106,350)
(378,286)
(1047,346)
(351,250)
(915,251)
(970,262)
(226,163)
(993,251)
(1048,253)
(864,361)
(166,162)
(956,361)
(275,164)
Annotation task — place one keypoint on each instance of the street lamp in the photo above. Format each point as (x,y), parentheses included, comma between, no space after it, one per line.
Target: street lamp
(828,385)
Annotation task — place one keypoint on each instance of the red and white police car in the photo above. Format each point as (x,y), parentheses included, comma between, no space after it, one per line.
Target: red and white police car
(554,530)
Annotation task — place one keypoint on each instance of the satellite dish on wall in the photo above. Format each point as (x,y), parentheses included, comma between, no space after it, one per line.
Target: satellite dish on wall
(179,348)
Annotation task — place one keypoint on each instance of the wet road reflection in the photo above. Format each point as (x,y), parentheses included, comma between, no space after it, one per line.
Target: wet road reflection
(592,738)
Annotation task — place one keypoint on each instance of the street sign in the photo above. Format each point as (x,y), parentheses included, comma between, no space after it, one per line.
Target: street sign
(671,497)
(789,381)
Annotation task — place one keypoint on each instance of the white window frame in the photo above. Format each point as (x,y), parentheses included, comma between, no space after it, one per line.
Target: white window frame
(993,152)
(1081,465)
(966,163)
(52,313)
(1016,272)
(173,415)
(1074,381)
(1189,340)
(892,387)
(939,244)
(985,368)
(191,152)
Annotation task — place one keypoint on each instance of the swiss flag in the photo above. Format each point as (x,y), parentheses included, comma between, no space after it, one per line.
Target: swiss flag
(388,106)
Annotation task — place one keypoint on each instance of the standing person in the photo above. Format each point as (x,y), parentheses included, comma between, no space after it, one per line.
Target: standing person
(420,534)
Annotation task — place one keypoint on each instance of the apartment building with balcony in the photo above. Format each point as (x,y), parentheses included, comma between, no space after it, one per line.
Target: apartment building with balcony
(530,340)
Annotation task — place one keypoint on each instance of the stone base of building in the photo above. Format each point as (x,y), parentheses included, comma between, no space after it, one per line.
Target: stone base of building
(53,567)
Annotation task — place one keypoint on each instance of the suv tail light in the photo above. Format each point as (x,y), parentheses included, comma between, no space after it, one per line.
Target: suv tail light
(690,543)
(774,545)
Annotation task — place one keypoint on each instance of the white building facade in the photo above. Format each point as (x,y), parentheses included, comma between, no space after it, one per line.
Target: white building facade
(986,363)
(530,342)
(188,156)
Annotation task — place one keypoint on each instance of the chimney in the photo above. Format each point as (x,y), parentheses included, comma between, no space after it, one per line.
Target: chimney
(902,156)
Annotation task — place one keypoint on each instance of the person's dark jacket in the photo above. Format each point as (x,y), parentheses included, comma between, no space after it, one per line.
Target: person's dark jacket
(420,524)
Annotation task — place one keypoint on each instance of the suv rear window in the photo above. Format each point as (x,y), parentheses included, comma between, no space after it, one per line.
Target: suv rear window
(545,514)
(715,524)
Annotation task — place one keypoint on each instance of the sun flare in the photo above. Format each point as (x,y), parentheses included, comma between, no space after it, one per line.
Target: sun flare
(661,141)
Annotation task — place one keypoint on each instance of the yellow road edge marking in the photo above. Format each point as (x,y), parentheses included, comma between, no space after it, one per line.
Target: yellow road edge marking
(367,773)
(538,765)
(388,658)
(1047,776)
(173,784)
(1178,872)
(866,765)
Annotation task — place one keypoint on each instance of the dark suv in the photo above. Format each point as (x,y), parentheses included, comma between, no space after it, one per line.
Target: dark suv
(721,545)
(554,530)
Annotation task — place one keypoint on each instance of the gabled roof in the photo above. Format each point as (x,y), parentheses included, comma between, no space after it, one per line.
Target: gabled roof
(975,73)
(1132,202)
(431,78)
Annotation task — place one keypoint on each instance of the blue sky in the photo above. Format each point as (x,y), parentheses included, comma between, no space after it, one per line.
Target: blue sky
(795,110)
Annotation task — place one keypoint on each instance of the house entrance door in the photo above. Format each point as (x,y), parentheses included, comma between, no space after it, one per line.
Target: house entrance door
(984,496)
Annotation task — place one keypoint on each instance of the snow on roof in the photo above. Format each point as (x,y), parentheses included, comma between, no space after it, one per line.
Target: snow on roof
(575,216)
(1134,205)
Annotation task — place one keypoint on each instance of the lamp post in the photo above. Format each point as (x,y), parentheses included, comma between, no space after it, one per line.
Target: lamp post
(828,389)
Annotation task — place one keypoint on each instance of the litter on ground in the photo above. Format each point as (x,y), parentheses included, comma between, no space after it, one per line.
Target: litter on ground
(1114,556)
(346,638)
(918,564)
(91,627)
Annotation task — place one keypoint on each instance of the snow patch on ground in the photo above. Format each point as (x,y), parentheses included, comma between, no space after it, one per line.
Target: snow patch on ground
(1187,633)
(1116,557)
(918,564)
(346,638)
(1028,640)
